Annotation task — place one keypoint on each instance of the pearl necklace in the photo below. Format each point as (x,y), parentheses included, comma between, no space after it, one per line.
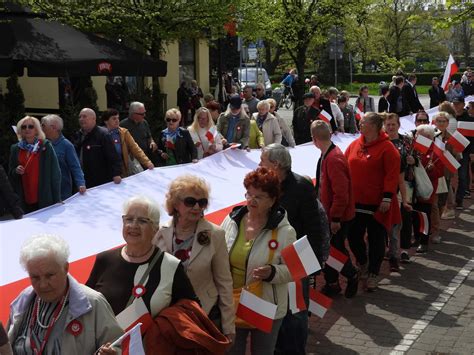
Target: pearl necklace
(58,316)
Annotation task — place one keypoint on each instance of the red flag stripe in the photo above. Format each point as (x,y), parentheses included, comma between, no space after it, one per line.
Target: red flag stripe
(293,262)
(256,319)
(339,255)
(300,303)
(320,298)
(450,162)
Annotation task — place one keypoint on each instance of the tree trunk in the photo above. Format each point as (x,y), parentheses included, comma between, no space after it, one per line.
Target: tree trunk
(466,36)
(271,63)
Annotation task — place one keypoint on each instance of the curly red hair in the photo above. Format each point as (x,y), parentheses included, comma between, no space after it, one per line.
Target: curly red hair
(265,180)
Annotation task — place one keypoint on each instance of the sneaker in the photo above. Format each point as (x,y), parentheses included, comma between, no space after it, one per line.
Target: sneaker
(331,289)
(364,271)
(422,249)
(372,283)
(448,214)
(459,205)
(404,257)
(394,267)
(436,239)
(352,286)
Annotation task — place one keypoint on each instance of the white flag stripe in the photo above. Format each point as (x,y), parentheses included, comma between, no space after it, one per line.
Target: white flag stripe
(257,304)
(292,297)
(452,160)
(461,139)
(132,313)
(317,309)
(334,263)
(439,143)
(423,140)
(466,125)
(447,73)
(119,340)
(306,255)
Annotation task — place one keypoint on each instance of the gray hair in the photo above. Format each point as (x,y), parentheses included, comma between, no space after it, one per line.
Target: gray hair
(44,245)
(133,107)
(53,120)
(426,130)
(278,153)
(263,103)
(442,114)
(315,88)
(152,206)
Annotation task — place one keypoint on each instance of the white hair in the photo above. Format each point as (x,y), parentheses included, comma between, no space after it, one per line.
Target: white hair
(133,107)
(44,245)
(152,206)
(53,120)
(264,103)
(426,130)
(278,153)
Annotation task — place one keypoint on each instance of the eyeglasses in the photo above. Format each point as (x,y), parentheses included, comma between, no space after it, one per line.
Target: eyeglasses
(141,221)
(140,113)
(256,198)
(29,126)
(174,120)
(191,202)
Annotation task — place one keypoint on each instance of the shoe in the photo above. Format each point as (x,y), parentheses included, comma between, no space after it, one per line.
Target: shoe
(467,194)
(352,286)
(436,239)
(404,257)
(364,271)
(459,205)
(394,267)
(448,214)
(331,289)
(422,249)
(415,244)
(372,283)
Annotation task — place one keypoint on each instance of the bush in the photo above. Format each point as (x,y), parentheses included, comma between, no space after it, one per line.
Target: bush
(422,78)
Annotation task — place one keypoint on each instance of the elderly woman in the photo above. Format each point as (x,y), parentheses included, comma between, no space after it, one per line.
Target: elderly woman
(140,265)
(125,145)
(267,123)
(175,145)
(204,134)
(374,164)
(434,168)
(34,168)
(56,314)
(256,234)
(287,137)
(201,247)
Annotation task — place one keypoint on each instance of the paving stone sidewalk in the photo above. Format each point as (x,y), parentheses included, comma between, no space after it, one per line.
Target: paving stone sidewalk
(427,308)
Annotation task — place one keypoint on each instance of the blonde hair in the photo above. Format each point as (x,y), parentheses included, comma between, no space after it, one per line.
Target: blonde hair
(182,185)
(173,113)
(195,125)
(39,131)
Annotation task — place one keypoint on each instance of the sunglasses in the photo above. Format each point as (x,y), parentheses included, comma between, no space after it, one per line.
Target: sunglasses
(29,126)
(174,120)
(191,202)
(423,121)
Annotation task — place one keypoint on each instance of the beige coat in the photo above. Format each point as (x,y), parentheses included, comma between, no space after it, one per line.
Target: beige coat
(270,129)
(208,269)
(130,146)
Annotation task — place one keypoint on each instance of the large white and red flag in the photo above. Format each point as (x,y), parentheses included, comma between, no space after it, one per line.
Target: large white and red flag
(295,297)
(422,144)
(134,314)
(439,147)
(337,259)
(466,128)
(449,161)
(325,116)
(458,141)
(300,259)
(131,342)
(451,69)
(318,303)
(256,311)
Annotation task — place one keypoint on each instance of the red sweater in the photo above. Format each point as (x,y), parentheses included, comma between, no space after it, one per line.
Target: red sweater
(336,187)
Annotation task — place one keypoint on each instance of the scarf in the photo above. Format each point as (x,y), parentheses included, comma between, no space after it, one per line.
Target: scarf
(31,148)
(260,120)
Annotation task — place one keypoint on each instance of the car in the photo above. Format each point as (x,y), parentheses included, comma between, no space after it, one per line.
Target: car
(251,76)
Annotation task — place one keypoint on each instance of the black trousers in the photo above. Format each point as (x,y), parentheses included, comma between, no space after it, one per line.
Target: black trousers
(407,228)
(376,235)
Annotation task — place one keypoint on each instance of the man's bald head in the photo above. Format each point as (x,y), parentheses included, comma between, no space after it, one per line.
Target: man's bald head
(87,119)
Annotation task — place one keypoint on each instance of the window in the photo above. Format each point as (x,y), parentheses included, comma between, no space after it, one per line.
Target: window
(187,60)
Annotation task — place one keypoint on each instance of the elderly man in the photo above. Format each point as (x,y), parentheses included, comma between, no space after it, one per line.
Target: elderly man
(437,94)
(303,116)
(249,99)
(300,201)
(68,162)
(56,314)
(334,186)
(321,103)
(260,93)
(234,124)
(99,160)
(138,127)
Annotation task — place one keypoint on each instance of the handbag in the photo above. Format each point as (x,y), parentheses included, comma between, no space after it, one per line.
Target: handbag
(255,287)
(134,166)
(442,186)
(423,187)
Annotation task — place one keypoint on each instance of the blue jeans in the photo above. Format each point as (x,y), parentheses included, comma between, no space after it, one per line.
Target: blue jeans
(463,176)
(393,238)
(260,343)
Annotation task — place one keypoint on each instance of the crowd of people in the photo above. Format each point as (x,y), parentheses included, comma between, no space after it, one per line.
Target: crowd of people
(188,274)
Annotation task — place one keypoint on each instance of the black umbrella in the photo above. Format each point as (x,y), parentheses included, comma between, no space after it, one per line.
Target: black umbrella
(51,49)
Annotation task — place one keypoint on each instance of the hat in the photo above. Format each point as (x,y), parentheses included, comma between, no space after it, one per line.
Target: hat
(458,99)
(235,102)
(308,95)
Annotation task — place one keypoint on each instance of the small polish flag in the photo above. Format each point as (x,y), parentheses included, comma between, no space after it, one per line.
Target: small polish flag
(424,224)
(325,116)
(134,314)
(300,259)
(337,259)
(295,297)
(318,303)
(466,128)
(359,114)
(169,143)
(439,147)
(131,342)
(211,135)
(256,311)
(451,69)
(422,144)
(450,162)
(458,141)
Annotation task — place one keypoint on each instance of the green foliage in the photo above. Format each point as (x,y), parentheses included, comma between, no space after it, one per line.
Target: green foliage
(390,64)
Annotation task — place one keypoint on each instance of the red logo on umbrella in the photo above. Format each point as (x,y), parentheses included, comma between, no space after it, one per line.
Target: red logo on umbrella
(104,67)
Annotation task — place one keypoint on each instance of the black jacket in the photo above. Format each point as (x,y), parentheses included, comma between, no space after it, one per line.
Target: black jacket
(411,102)
(100,161)
(184,148)
(437,96)
(393,98)
(468,88)
(304,214)
(9,200)
(383,104)
(302,118)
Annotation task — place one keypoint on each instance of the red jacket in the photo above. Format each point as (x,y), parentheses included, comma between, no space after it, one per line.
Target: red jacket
(184,328)
(434,173)
(375,169)
(336,187)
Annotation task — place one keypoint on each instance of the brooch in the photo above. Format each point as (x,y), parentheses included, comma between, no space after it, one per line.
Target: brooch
(75,327)
(203,238)
(138,291)
(273,244)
